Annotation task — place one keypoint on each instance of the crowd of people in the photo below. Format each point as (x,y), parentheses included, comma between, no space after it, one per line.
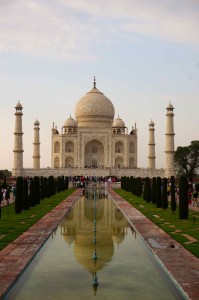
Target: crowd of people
(8,193)
(5,195)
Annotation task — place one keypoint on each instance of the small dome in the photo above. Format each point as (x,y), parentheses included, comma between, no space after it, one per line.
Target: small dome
(18,105)
(170,106)
(151,123)
(94,107)
(118,123)
(70,122)
(36,123)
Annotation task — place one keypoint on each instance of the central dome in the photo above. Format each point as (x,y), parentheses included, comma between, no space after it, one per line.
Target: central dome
(94,109)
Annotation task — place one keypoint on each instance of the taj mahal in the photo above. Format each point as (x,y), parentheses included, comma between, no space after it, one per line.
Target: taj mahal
(94,143)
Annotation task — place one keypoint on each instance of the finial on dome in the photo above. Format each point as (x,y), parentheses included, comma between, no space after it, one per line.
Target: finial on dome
(94,83)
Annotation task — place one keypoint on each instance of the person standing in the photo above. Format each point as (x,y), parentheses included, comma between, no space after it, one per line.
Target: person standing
(7,195)
(189,195)
(1,196)
(195,198)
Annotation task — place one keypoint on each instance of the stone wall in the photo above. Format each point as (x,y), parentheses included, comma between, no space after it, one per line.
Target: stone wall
(89,172)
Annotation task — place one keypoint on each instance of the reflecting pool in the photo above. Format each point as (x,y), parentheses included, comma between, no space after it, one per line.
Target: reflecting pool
(94,253)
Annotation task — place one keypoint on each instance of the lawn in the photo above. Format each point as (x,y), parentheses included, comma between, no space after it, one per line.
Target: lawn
(12,224)
(185,232)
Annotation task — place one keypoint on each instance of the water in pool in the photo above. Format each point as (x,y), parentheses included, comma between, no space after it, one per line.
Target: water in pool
(94,253)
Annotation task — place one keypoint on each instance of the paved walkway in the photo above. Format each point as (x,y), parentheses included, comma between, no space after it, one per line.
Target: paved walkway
(182,266)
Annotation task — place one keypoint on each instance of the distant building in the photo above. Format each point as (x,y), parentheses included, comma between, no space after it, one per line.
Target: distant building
(94,143)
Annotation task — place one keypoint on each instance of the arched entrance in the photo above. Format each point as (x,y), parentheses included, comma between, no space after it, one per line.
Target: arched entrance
(94,154)
(118,163)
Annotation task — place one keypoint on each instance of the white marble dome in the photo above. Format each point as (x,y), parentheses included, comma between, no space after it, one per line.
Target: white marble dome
(118,123)
(94,108)
(70,122)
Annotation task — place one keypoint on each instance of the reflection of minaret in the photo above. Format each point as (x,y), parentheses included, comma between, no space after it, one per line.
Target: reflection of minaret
(36,146)
(169,158)
(151,157)
(95,278)
(18,141)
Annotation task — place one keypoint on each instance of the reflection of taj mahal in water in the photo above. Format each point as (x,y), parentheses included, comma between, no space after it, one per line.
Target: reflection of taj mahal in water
(94,143)
(77,229)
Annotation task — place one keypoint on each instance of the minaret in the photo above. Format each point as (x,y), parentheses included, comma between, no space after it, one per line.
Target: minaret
(169,157)
(36,146)
(151,157)
(18,141)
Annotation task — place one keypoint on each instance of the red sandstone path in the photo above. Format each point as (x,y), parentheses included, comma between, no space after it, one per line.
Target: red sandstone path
(179,263)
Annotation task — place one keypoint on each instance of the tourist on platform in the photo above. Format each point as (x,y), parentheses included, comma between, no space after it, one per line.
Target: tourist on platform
(1,196)
(189,196)
(195,198)
(7,195)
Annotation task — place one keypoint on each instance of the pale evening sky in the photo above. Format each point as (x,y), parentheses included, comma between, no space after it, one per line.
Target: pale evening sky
(143,53)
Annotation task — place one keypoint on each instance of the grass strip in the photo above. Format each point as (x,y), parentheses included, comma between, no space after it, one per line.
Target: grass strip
(169,222)
(12,224)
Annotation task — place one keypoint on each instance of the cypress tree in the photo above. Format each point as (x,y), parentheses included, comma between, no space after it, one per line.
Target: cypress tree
(148,189)
(37,190)
(153,190)
(183,198)
(145,189)
(58,184)
(45,188)
(122,182)
(26,204)
(32,193)
(173,195)
(66,182)
(42,188)
(19,195)
(49,187)
(53,186)
(125,183)
(62,183)
(138,187)
(158,192)
(131,184)
(128,188)
(164,196)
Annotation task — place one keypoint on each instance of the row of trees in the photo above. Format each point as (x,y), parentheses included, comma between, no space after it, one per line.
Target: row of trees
(157,190)
(29,192)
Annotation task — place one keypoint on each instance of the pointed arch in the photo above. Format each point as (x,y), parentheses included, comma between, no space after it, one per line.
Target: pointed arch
(119,147)
(131,163)
(131,147)
(69,162)
(94,154)
(56,147)
(56,162)
(69,147)
(119,162)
